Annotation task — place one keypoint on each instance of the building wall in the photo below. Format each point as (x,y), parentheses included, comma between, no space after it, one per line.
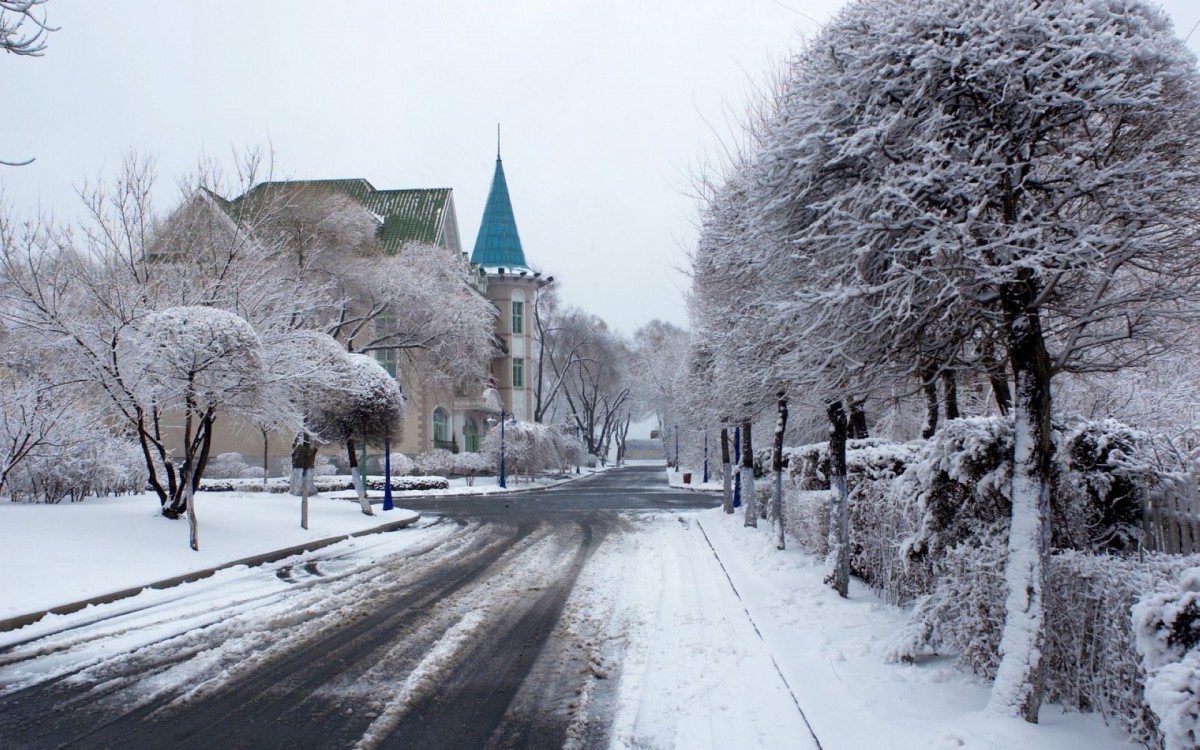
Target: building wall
(503,290)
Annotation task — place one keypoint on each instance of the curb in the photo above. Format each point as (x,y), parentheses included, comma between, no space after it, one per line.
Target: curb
(20,621)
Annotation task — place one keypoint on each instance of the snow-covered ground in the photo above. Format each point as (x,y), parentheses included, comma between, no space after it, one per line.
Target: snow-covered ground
(53,555)
(697,633)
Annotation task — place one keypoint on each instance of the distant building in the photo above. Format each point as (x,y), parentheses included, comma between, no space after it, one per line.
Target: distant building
(496,269)
(513,286)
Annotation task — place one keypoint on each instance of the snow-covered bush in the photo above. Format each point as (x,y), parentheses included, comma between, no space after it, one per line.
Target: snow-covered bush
(961,482)
(806,518)
(327,467)
(471,465)
(1167,627)
(231,466)
(1106,479)
(529,447)
(437,462)
(402,465)
(94,462)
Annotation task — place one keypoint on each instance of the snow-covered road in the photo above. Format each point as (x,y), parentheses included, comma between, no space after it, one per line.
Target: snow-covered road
(589,629)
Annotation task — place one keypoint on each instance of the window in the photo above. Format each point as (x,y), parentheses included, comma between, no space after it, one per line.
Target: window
(471,436)
(441,428)
(387,358)
(519,373)
(518,316)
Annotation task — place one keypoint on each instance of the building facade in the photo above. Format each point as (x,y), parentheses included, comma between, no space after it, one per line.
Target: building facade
(434,418)
(513,287)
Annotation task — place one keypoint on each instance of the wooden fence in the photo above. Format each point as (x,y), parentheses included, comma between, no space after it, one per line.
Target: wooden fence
(1171,521)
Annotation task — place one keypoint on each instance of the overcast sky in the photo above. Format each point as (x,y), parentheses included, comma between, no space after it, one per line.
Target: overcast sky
(607,109)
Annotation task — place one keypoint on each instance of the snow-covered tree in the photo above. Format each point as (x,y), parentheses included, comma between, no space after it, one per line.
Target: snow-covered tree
(947,172)
(205,363)
(590,358)
(370,411)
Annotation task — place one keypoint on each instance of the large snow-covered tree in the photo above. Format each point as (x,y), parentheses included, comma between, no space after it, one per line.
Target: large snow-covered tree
(946,171)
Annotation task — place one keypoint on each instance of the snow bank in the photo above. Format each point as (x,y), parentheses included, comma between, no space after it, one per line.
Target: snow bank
(60,554)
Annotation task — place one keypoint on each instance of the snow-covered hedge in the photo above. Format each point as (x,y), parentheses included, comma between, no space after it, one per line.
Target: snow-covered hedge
(323,484)
(929,524)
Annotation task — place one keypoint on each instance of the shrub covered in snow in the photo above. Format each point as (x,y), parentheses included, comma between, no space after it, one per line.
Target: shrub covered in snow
(1108,476)
(929,522)
(530,448)
(231,466)
(402,465)
(437,462)
(337,483)
(93,462)
(1167,627)
(471,465)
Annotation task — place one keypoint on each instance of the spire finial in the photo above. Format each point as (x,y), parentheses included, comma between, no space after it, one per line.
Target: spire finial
(497,141)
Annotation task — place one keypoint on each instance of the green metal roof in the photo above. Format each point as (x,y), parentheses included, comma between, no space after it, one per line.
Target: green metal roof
(420,215)
(498,244)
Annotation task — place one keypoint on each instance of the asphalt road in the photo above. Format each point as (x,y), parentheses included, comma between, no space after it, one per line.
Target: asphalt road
(446,644)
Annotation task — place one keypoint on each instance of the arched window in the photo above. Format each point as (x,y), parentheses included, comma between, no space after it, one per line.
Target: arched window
(471,436)
(441,429)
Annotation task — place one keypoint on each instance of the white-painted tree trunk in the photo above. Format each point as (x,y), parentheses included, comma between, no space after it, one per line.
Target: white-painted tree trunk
(193,523)
(361,488)
(748,497)
(304,499)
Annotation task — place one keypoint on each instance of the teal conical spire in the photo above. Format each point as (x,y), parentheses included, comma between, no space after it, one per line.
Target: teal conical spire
(498,244)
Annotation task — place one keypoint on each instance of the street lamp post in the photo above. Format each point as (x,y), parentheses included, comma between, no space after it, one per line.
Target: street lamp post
(676,447)
(492,422)
(387,471)
(705,457)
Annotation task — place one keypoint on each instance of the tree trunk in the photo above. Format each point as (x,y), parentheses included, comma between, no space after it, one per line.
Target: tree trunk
(1001,393)
(266,461)
(950,394)
(748,478)
(1020,677)
(929,385)
(997,377)
(304,461)
(357,480)
(737,461)
(837,564)
(856,428)
(726,473)
(777,468)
